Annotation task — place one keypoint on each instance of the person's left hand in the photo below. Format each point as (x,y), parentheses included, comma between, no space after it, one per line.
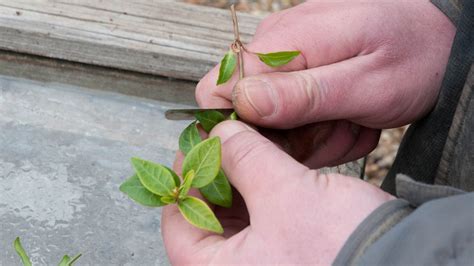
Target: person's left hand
(283,211)
(364,66)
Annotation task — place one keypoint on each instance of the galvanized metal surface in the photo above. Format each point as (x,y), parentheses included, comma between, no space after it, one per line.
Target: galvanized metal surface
(64,150)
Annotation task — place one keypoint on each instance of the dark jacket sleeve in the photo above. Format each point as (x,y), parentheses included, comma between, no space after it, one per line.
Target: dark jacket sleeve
(440,232)
(451,8)
(432,225)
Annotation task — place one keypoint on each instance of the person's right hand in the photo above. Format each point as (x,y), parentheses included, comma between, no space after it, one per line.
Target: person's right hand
(282,212)
(363,67)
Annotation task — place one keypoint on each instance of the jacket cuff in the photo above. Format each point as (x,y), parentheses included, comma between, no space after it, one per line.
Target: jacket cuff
(372,228)
(451,8)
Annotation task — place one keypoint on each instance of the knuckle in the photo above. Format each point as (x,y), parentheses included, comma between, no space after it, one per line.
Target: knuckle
(387,52)
(248,151)
(307,85)
(237,96)
(312,92)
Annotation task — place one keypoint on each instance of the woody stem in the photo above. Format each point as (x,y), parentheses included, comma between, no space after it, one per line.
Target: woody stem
(237,45)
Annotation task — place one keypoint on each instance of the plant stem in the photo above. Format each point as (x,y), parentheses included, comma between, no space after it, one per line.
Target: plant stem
(237,45)
(235,22)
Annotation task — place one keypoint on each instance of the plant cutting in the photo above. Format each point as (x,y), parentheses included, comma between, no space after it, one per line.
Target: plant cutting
(235,54)
(155,185)
(65,261)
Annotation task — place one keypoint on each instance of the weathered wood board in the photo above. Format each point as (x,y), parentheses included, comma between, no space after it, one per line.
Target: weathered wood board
(98,78)
(165,38)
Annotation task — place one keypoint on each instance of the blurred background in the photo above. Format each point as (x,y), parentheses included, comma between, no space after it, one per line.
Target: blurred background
(250,6)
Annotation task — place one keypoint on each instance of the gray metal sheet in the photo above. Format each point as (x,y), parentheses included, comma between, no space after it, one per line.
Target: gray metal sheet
(64,150)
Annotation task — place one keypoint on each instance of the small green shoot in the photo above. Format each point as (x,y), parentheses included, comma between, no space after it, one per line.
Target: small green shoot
(188,180)
(68,261)
(233,116)
(154,185)
(65,261)
(21,252)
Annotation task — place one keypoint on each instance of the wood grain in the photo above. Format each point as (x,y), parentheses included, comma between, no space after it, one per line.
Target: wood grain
(158,37)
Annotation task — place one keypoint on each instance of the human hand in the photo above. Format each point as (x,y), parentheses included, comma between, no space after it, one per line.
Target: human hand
(364,67)
(284,212)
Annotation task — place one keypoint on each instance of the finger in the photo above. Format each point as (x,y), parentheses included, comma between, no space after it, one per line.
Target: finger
(255,166)
(179,236)
(366,142)
(325,143)
(325,151)
(350,90)
(273,35)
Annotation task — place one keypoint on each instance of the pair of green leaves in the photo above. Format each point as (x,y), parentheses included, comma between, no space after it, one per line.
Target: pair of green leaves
(155,185)
(219,191)
(276,59)
(65,261)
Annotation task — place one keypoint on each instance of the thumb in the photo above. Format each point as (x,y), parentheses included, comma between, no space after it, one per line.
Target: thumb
(254,165)
(344,90)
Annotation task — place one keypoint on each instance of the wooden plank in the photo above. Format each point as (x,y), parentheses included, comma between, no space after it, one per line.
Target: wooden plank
(55,71)
(158,37)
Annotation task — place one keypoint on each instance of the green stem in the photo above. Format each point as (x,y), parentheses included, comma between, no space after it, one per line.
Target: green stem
(74,259)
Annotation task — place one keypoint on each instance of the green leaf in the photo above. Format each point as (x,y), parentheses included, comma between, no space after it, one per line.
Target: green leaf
(188,180)
(233,116)
(209,119)
(154,177)
(137,192)
(218,191)
(205,160)
(197,213)
(278,59)
(176,178)
(21,252)
(168,199)
(227,67)
(189,138)
(64,261)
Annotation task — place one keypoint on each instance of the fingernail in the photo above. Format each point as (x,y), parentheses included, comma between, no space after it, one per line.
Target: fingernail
(260,96)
